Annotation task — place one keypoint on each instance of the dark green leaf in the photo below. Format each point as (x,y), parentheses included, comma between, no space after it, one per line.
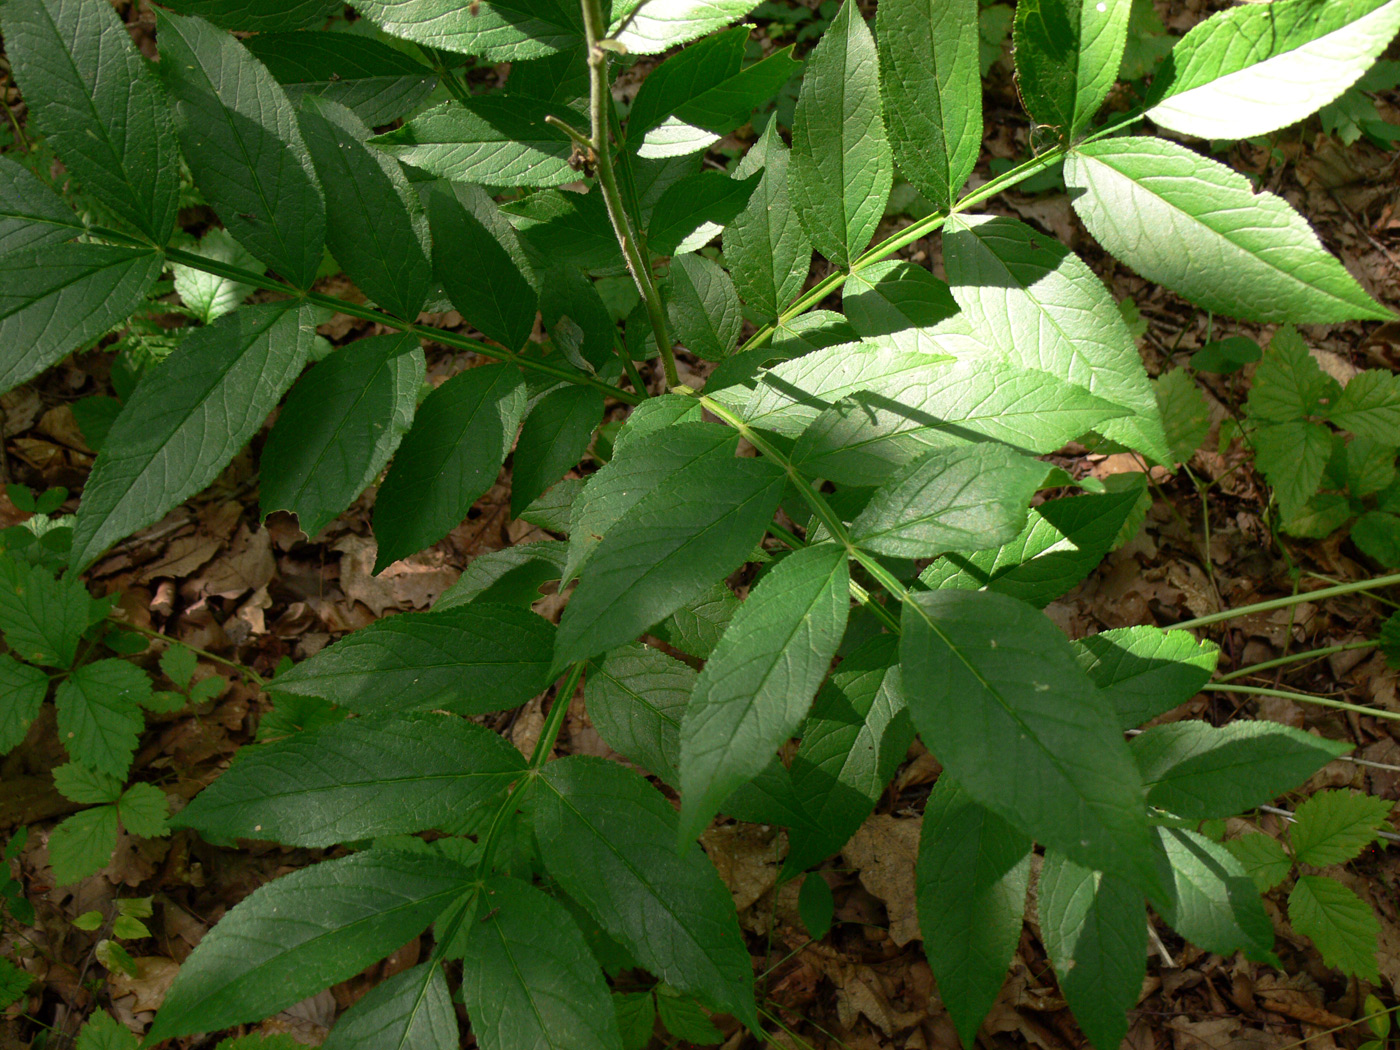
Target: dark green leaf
(22,692)
(758,684)
(459,439)
(357,780)
(99,714)
(341,423)
(702,307)
(691,212)
(932,91)
(559,226)
(243,146)
(1262,858)
(899,302)
(765,247)
(304,932)
(82,844)
(1335,826)
(411,1010)
(1213,903)
(93,97)
(1094,928)
(1067,58)
(684,1018)
(972,875)
(1378,536)
(1369,405)
(609,838)
(959,499)
(816,906)
(528,978)
(471,659)
(1270,265)
(377,82)
(375,225)
(1146,671)
(188,418)
(43,619)
(260,15)
(842,168)
(497,30)
(554,438)
(1341,924)
(635,697)
(496,140)
(1196,771)
(694,529)
(696,627)
(993,685)
(144,810)
(510,576)
(56,299)
(31,214)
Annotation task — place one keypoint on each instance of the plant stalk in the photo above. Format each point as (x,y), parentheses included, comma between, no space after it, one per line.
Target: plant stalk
(599,104)
(1302,698)
(1293,658)
(1294,599)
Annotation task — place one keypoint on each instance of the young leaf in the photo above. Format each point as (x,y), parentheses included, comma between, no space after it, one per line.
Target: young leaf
(1335,826)
(357,780)
(459,439)
(510,576)
(1214,903)
(339,426)
(1146,671)
(842,168)
(1249,71)
(635,698)
(82,844)
(1067,58)
(702,306)
(1341,924)
(497,30)
(43,619)
(758,684)
(99,714)
(639,465)
(972,876)
(495,140)
(375,226)
(932,91)
(304,932)
(240,137)
(56,299)
(554,438)
(657,26)
(411,1010)
(528,978)
(993,685)
(22,691)
(609,838)
(957,499)
(692,212)
(481,265)
(667,549)
(765,247)
(1262,859)
(1095,931)
(31,214)
(471,659)
(375,81)
(1196,771)
(1033,299)
(188,418)
(1063,541)
(852,742)
(96,101)
(1269,265)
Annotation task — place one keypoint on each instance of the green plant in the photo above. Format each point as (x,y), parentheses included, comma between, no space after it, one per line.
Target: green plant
(1331,827)
(899,439)
(126,925)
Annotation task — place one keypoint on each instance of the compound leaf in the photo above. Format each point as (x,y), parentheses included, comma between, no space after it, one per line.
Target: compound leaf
(972,875)
(692,211)
(993,685)
(338,428)
(702,306)
(1249,71)
(357,780)
(1185,221)
(758,684)
(471,659)
(244,149)
(144,810)
(260,15)
(188,418)
(460,437)
(99,714)
(1262,859)
(842,168)
(93,97)
(657,26)
(304,932)
(609,838)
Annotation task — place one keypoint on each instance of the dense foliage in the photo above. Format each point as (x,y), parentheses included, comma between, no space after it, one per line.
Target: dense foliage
(891,449)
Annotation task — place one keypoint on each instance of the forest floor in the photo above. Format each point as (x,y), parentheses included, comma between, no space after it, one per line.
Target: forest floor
(250,593)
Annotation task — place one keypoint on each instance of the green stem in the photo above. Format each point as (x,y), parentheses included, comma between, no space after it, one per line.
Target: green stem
(1294,658)
(1295,599)
(1302,698)
(233,665)
(599,104)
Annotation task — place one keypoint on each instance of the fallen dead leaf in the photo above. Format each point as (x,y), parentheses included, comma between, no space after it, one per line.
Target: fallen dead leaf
(154,976)
(883,852)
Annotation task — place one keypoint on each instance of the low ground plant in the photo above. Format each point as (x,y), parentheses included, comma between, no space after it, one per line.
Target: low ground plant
(872,474)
